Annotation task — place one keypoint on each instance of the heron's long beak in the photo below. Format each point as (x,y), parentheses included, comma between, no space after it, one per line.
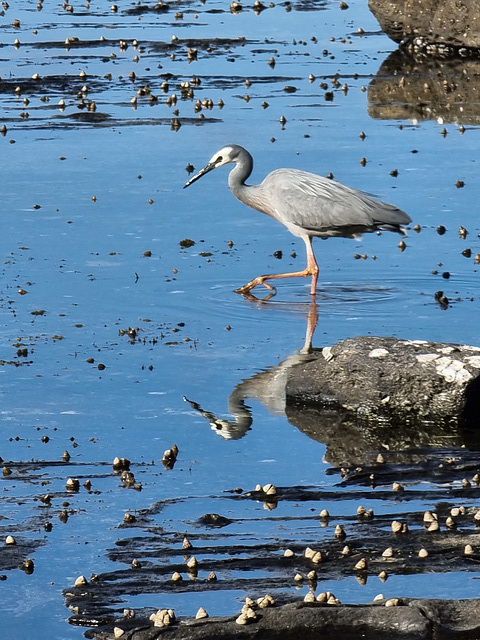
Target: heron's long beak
(201,173)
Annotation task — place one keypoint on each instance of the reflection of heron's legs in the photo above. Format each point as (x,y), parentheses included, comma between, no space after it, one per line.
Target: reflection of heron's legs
(312,320)
(253,298)
(310,270)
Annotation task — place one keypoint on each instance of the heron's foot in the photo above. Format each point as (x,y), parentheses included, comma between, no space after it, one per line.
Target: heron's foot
(254,283)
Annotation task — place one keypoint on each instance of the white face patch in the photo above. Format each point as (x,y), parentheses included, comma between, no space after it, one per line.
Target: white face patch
(224,153)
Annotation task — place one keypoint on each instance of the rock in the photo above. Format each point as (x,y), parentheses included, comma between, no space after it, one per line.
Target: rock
(376,377)
(412,619)
(451,22)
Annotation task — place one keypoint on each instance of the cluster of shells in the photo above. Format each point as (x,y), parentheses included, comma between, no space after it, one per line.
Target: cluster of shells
(163,618)
(269,494)
(421,45)
(170,457)
(186,88)
(398,528)
(326,597)
(359,563)
(248,614)
(122,466)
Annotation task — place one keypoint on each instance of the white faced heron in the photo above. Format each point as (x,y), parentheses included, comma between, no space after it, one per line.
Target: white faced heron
(307,204)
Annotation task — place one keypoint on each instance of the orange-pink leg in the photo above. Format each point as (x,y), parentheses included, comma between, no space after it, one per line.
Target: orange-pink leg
(312,320)
(310,270)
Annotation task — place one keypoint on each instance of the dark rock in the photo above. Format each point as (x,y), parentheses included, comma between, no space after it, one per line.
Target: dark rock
(214,520)
(410,619)
(13,556)
(451,22)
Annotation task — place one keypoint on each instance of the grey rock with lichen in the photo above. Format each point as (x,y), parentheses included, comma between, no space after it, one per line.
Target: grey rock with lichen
(376,377)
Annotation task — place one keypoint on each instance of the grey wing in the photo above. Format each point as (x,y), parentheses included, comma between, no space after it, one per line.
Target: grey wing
(323,206)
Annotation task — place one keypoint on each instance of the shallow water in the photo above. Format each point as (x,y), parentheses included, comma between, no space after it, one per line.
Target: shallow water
(86,193)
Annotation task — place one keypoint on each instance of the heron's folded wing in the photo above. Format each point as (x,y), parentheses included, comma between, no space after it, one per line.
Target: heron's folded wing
(319,205)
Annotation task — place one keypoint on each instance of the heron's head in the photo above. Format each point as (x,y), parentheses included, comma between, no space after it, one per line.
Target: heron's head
(225,155)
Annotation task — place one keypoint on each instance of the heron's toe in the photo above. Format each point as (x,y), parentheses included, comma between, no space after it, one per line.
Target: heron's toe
(254,283)
(242,290)
(248,287)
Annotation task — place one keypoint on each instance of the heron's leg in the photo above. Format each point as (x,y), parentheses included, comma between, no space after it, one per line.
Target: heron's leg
(310,270)
(312,266)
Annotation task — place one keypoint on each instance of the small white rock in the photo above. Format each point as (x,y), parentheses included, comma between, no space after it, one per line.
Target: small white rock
(392,602)
(270,489)
(378,353)
(361,565)
(428,516)
(327,353)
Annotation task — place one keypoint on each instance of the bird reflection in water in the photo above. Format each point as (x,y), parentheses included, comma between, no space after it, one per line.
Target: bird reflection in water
(267,386)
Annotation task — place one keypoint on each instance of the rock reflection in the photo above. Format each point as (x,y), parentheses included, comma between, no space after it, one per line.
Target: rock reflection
(351,442)
(424,87)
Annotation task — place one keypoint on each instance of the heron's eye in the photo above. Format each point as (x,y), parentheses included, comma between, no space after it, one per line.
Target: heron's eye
(219,159)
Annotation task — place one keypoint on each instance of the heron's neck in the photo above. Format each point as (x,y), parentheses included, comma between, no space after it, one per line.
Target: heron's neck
(251,195)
